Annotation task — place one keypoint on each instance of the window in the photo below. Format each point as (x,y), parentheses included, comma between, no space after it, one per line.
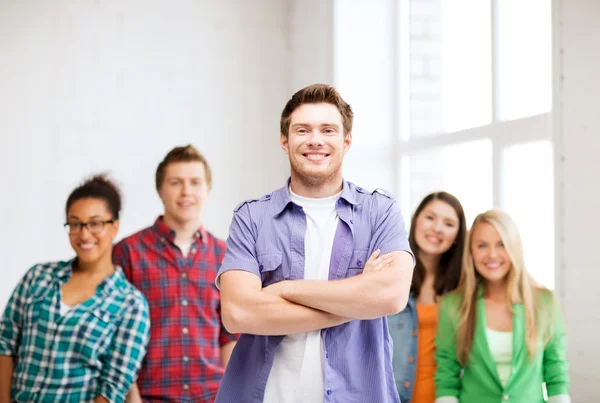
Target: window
(452,100)
(479,103)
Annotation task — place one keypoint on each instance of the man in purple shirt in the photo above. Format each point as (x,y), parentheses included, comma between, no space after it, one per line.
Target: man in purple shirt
(311,272)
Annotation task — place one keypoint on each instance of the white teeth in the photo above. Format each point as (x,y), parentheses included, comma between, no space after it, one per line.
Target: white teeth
(86,245)
(493,265)
(315,156)
(433,239)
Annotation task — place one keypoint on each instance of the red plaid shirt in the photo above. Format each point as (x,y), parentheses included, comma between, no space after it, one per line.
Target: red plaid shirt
(183,363)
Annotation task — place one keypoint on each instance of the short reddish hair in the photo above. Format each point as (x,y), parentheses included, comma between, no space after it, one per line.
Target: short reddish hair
(187,153)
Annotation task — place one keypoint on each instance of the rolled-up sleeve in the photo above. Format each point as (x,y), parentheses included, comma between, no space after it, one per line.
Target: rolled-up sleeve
(241,245)
(11,324)
(556,367)
(390,231)
(123,360)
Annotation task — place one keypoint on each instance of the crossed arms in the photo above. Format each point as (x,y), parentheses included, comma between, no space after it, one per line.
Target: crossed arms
(301,306)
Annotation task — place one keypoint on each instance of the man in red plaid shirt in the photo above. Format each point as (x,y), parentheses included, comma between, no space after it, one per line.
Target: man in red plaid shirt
(174,263)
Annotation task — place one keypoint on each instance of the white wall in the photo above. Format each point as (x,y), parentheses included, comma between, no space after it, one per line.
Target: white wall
(92,86)
(577,142)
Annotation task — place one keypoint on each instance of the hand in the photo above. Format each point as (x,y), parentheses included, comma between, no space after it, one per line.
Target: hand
(276,288)
(377,262)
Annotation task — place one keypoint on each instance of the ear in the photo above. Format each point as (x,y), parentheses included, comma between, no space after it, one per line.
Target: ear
(347,142)
(283,142)
(115,228)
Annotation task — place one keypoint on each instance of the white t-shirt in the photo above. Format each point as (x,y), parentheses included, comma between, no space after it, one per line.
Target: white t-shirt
(184,248)
(297,372)
(64,308)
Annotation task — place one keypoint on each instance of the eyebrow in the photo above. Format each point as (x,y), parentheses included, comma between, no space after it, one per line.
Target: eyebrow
(169,178)
(445,218)
(321,125)
(77,218)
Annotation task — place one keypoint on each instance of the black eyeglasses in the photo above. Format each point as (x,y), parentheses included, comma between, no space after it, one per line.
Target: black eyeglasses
(94,226)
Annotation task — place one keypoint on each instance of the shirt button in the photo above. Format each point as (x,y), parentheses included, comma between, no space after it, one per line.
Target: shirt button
(411,359)
(339,201)
(359,263)
(328,391)
(193,250)
(326,355)
(351,221)
(268,196)
(359,189)
(184,302)
(407,384)
(505,398)
(185,330)
(183,275)
(261,267)
(186,386)
(186,358)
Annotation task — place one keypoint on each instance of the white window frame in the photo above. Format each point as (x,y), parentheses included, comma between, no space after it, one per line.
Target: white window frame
(502,133)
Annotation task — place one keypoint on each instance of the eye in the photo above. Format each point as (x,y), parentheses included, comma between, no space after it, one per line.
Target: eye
(450,225)
(196,182)
(75,225)
(302,131)
(429,217)
(94,225)
(329,131)
(174,182)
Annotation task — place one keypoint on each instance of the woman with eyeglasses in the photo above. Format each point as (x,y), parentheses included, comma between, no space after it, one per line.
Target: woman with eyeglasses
(76,331)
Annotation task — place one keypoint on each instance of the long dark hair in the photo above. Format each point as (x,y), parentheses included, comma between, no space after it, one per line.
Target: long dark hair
(448,272)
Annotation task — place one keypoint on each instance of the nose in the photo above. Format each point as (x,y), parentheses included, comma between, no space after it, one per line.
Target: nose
(316,139)
(437,226)
(84,233)
(493,252)
(187,188)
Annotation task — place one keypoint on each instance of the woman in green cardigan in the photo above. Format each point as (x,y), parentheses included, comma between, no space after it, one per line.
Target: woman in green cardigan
(500,336)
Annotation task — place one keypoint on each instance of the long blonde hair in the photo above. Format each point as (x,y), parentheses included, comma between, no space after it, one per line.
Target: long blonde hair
(521,289)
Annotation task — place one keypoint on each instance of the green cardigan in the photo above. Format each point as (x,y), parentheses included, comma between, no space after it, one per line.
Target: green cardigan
(479,382)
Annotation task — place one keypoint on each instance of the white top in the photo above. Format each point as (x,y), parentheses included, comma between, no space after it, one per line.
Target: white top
(297,372)
(501,346)
(64,308)
(184,247)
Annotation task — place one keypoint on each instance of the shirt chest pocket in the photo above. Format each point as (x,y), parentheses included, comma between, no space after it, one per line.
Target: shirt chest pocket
(94,329)
(269,265)
(357,262)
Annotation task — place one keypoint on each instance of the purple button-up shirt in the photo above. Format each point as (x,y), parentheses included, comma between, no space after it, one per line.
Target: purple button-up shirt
(266,238)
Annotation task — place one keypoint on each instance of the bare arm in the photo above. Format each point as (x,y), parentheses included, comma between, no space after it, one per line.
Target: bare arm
(226,352)
(134,395)
(246,308)
(370,295)
(100,399)
(6,372)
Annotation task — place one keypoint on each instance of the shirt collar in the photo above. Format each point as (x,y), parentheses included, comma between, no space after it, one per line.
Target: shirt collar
(65,273)
(281,197)
(163,231)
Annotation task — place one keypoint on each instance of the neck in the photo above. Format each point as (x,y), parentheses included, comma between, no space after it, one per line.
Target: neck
(430,263)
(101,268)
(316,188)
(496,291)
(184,231)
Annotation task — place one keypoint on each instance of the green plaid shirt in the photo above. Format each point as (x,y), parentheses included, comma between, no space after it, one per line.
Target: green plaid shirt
(94,349)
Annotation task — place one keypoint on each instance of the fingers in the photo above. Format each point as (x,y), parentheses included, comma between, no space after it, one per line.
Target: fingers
(374,256)
(382,261)
(378,262)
